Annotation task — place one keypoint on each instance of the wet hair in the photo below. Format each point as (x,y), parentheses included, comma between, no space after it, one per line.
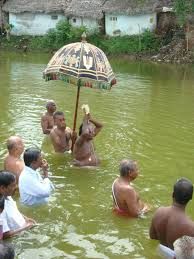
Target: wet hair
(183,191)
(127,166)
(6,251)
(80,129)
(6,178)
(31,155)
(57,113)
(51,102)
(2,202)
(12,142)
(10,145)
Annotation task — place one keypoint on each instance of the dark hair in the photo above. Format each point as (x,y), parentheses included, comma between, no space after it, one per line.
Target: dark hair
(2,202)
(57,113)
(31,155)
(80,129)
(6,178)
(50,103)
(127,166)
(183,191)
(10,145)
(6,251)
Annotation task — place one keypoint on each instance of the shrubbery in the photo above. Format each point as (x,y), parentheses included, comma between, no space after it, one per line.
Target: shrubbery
(64,33)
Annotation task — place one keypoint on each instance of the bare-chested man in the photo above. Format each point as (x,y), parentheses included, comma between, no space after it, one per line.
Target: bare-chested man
(84,153)
(13,163)
(171,223)
(61,135)
(126,199)
(47,121)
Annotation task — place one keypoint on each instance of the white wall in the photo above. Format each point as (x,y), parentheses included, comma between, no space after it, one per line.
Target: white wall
(128,25)
(91,24)
(33,24)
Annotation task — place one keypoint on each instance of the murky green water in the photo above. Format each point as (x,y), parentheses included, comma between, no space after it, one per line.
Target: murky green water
(148,116)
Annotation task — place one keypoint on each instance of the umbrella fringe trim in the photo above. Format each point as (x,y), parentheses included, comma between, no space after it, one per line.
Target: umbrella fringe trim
(83,82)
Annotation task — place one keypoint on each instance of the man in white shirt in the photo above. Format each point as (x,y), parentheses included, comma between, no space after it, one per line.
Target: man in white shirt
(13,221)
(33,188)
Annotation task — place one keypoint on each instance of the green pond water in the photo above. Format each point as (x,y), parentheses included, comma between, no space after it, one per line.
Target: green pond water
(147,116)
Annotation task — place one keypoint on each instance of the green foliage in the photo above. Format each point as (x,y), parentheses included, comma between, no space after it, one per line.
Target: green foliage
(64,33)
(182,9)
(146,42)
(9,26)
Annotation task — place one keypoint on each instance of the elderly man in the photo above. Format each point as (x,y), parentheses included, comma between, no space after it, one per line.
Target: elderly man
(47,121)
(13,221)
(170,223)
(13,162)
(126,199)
(33,188)
(61,135)
(84,153)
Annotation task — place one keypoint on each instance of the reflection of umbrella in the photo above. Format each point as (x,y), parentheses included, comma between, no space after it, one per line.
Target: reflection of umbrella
(81,64)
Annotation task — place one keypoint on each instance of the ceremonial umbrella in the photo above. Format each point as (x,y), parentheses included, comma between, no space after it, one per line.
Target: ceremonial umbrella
(81,64)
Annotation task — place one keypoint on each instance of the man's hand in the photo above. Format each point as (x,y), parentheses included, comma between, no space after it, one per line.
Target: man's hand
(74,135)
(44,167)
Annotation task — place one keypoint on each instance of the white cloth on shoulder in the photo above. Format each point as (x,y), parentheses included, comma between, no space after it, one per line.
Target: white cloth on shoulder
(166,252)
(12,218)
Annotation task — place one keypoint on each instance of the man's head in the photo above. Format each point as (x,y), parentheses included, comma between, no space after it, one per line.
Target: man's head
(59,120)
(7,183)
(51,106)
(33,158)
(15,145)
(87,131)
(183,191)
(128,168)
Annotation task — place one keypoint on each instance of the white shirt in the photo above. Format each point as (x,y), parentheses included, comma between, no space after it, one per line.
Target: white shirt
(33,188)
(12,218)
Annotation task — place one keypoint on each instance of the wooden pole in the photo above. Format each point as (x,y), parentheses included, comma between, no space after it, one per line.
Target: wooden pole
(75,113)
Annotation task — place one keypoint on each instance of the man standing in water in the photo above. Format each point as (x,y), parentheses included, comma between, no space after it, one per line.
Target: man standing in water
(13,221)
(84,153)
(61,135)
(47,121)
(13,163)
(170,223)
(126,199)
(34,189)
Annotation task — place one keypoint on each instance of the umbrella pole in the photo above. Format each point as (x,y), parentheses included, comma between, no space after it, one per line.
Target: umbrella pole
(75,114)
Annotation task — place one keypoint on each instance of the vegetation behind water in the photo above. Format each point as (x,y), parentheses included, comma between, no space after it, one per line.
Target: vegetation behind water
(64,33)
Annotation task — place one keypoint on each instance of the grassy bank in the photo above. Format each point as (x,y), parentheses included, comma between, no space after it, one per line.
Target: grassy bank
(64,33)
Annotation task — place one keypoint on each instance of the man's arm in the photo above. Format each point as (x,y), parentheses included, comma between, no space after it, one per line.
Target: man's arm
(17,231)
(98,125)
(131,200)
(44,125)
(55,139)
(152,230)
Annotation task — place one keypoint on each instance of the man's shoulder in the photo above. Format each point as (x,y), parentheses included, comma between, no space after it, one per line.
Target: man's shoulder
(162,211)
(44,116)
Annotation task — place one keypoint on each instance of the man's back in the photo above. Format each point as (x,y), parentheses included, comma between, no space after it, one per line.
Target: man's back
(14,165)
(170,223)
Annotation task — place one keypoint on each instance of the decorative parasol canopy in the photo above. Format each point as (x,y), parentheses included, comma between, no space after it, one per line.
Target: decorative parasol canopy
(83,62)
